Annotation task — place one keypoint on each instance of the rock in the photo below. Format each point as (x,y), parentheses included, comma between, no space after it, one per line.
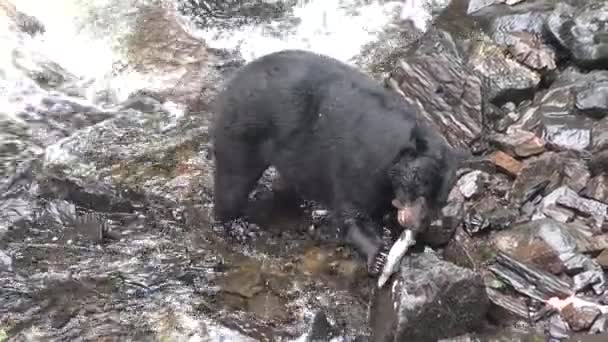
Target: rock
(105,158)
(580,318)
(598,164)
(502,22)
(593,99)
(466,251)
(554,116)
(600,325)
(489,213)
(380,56)
(529,50)
(506,163)
(449,218)
(599,136)
(575,262)
(424,291)
(584,280)
(508,80)
(581,30)
(476,5)
(161,44)
(576,173)
(472,183)
(558,328)
(16,145)
(519,143)
(6,262)
(25,23)
(321,329)
(142,103)
(594,210)
(602,259)
(543,174)
(540,239)
(446,93)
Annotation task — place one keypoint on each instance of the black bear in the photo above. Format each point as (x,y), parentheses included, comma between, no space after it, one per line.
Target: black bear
(336,136)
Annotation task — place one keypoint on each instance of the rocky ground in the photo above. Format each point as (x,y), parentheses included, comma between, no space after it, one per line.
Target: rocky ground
(105,215)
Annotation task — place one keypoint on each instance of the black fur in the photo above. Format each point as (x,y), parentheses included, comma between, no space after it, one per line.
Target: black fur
(334,134)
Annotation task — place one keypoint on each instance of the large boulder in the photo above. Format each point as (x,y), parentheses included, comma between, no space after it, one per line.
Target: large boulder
(427,300)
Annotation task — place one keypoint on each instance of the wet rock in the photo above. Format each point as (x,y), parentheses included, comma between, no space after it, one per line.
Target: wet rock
(506,163)
(519,143)
(472,183)
(580,318)
(425,290)
(466,251)
(489,213)
(548,242)
(508,80)
(442,228)
(6,262)
(584,280)
(268,306)
(56,117)
(558,328)
(16,145)
(602,259)
(545,173)
(25,23)
(575,262)
(593,99)
(505,21)
(600,325)
(142,103)
(594,210)
(446,93)
(321,329)
(160,44)
(150,152)
(529,50)
(380,56)
(599,135)
(598,164)
(581,30)
(554,116)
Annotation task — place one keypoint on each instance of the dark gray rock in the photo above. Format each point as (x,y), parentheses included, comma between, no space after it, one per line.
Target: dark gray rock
(593,99)
(580,318)
(427,300)
(518,143)
(545,173)
(582,29)
(508,80)
(28,24)
(599,135)
(529,49)
(446,92)
(600,325)
(489,213)
(142,103)
(127,151)
(597,188)
(504,20)
(593,210)
(598,164)
(558,328)
(554,116)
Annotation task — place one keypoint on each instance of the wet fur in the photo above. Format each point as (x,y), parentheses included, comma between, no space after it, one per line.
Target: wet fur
(335,136)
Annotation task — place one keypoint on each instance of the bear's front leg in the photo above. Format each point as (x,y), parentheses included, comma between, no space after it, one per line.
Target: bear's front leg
(366,237)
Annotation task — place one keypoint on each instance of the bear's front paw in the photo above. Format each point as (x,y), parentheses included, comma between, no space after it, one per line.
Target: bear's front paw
(375,263)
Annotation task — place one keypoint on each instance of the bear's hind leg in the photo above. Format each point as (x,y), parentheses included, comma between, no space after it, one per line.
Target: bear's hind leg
(238,167)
